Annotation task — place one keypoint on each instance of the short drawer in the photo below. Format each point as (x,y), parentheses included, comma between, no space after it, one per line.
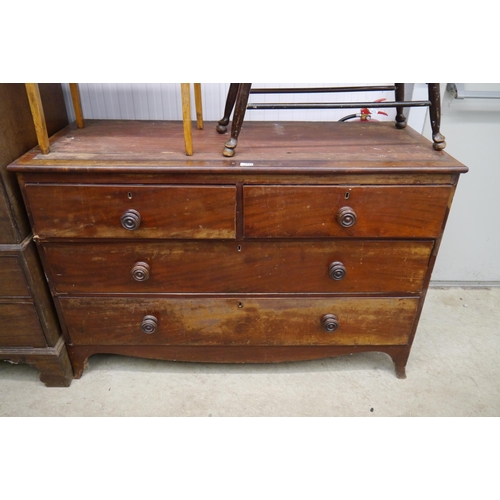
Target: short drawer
(244,321)
(345,211)
(20,326)
(343,266)
(119,211)
(12,278)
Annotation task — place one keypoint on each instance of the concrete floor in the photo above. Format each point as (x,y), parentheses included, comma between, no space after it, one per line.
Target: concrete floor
(453,370)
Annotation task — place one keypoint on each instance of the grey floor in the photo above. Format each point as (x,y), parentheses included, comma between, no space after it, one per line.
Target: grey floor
(453,370)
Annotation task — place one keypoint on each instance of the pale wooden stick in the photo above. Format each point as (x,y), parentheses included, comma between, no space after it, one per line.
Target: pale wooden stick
(38,116)
(199,106)
(186,117)
(77,104)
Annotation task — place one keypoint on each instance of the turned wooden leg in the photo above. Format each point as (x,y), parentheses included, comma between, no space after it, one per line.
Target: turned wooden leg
(77,104)
(36,107)
(230,100)
(239,115)
(400,96)
(198,105)
(435,116)
(186,117)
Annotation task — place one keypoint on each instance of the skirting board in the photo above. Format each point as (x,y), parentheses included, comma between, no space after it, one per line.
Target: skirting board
(464,284)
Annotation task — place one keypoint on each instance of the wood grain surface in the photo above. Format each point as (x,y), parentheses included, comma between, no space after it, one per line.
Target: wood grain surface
(94,211)
(340,147)
(310,211)
(239,267)
(12,280)
(245,321)
(20,326)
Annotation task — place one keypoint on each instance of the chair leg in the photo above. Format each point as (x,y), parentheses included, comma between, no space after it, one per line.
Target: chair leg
(36,106)
(186,117)
(435,116)
(77,104)
(230,100)
(400,96)
(199,105)
(239,115)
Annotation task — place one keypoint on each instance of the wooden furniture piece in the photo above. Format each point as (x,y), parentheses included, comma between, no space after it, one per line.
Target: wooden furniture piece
(304,249)
(239,94)
(43,136)
(29,328)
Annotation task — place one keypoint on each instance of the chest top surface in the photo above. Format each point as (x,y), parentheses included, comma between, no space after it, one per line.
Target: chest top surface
(116,146)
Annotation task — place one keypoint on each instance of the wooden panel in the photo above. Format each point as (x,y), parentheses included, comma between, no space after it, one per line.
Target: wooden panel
(311,211)
(95,211)
(19,325)
(246,267)
(12,279)
(12,229)
(246,321)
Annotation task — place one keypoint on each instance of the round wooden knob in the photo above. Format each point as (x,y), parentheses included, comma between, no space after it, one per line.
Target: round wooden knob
(149,324)
(346,217)
(131,219)
(337,271)
(330,322)
(140,271)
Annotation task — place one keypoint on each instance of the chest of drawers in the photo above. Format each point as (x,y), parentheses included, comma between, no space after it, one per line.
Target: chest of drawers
(318,241)
(29,328)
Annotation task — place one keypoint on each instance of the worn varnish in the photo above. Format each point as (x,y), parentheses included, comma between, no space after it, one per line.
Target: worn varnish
(165,211)
(245,321)
(380,212)
(318,241)
(229,267)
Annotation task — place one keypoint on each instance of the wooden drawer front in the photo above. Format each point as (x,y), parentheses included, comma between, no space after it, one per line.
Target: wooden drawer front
(12,279)
(89,211)
(244,321)
(19,325)
(314,211)
(249,267)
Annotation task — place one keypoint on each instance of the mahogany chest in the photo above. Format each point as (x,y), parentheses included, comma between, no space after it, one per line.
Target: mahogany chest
(317,240)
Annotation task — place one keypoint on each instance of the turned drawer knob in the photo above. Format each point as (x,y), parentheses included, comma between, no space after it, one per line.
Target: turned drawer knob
(346,217)
(337,271)
(131,219)
(149,324)
(330,322)
(140,272)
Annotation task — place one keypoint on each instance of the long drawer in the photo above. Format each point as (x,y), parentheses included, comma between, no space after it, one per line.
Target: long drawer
(245,321)
(344,266)
(12,279)
(131,211)
(20,326)
(345,211)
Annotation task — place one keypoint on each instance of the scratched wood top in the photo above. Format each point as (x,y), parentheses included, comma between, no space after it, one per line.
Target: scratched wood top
(331,146)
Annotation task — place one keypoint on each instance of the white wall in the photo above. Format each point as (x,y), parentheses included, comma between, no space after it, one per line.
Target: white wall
(162,101)
(470,250)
